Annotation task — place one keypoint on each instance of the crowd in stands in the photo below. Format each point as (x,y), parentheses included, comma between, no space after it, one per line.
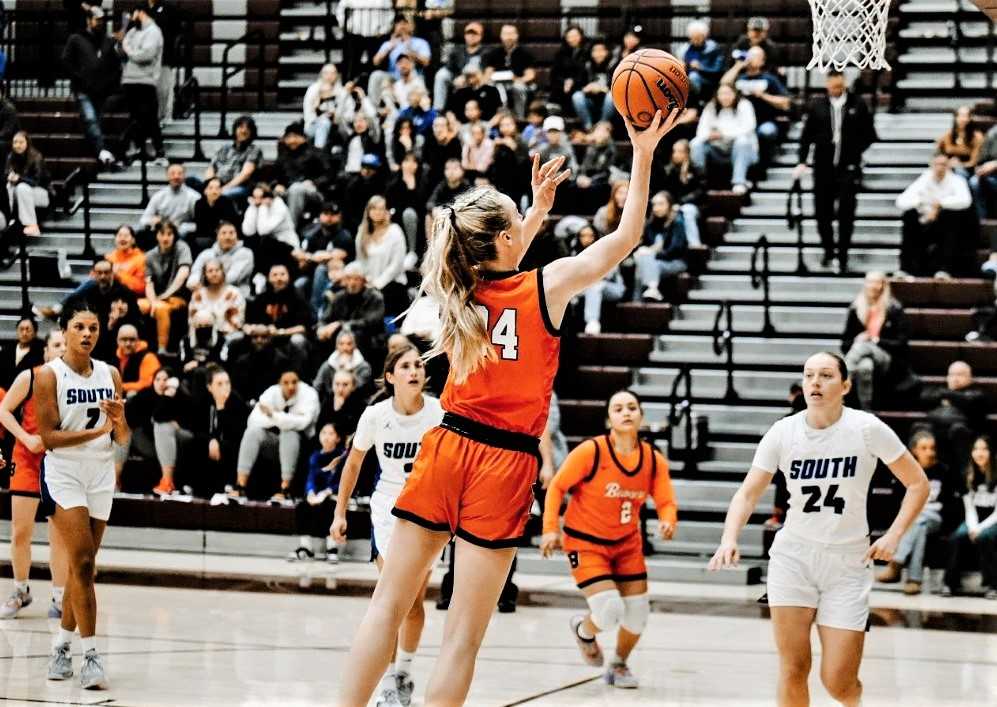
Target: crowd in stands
(250,308)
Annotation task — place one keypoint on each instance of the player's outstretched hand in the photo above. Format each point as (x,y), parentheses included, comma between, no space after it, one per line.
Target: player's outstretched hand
(549,543)
(726,556)
(337,531)
(883,549)
(545,181)
(646,140)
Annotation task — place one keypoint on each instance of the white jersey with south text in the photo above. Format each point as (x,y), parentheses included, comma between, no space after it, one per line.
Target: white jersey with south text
(79,409)
(397,438)
(828,472)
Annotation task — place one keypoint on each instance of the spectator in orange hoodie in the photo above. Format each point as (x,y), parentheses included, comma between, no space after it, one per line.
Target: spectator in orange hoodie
(128,260)
(137,364)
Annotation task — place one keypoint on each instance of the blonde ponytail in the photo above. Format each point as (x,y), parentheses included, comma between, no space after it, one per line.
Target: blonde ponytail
(463,237)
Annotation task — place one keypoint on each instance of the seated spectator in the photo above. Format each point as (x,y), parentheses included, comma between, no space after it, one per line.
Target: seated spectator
(508,172)
(442,146)
(202,347)
(957,413)
(171,414)
(943,495)
(94,68)
(140,409)
(236,259)
(597,168)
(27,182)
(313,514)
(558,144)
(136,363)
(282,421)
(567,72)
(217,423)
(346,357)
(402,86)
(726,135)
(236,163)
(767,94)
(607,218)
(176,203)
(978,533)
(346,404)
(361,133)
(592,97)
(476,88)
(420,112)
(757,35)
(211,210)
(404,141)
(963,143)
(360,188)
(936,216)
(268,228)
(479,151)
(984,180)
(629,43)
(453,185)
(388,58)
(704,61)
(128,260)
(663,249)
(216,297)
(406,199)
(357,306)
(381,250)
(301,173)
(513,67)
(684,181)
(23,353)
(256,368)
(167,269)
(451,73)
(322,100)
(533,132)
(322,243)
(610,289)
(875,338)
(281,311)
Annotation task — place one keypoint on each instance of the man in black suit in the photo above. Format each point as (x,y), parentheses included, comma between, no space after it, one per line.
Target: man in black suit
(840,128)
(27,351)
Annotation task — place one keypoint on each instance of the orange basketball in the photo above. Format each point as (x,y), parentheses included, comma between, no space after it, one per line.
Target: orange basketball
(647,81)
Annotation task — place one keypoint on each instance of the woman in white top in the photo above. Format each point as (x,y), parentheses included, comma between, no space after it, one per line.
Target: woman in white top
(381,249)
(80,411)
(394,426)
(268,216)
(819,567)
(726,133)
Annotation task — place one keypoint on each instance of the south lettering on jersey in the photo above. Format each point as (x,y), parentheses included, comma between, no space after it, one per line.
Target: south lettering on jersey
(84,396)
(836,467)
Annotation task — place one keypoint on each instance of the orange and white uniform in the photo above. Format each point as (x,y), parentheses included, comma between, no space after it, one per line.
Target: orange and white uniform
(602,535)
(26,471)
(474,473)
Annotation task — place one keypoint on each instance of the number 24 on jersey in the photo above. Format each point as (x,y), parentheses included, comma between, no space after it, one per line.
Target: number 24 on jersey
(503,334)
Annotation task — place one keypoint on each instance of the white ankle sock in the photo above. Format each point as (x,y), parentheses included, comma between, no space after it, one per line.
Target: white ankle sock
(403,661)
(62,637)
(618,659)
(88,644)
(58,593)
(22,587)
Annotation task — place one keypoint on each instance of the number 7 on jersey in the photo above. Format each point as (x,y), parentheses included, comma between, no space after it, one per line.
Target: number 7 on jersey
(503,334)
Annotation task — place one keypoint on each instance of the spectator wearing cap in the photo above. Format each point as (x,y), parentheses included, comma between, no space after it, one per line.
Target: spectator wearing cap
(322,101)
(234,256)
(401,43)
(451,73)
(360,188)
(767,94)
(301,173)
(142,49)
(477,88)
(704,60)
(234,164)
(757,35)
(175,203)
(592,96)
(513,67)
(94,69)
(358,307)
(281,311)
(210,211)
(558,144)
(323,243)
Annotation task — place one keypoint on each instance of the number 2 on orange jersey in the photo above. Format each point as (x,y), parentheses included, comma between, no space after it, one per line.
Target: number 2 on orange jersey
(626,512)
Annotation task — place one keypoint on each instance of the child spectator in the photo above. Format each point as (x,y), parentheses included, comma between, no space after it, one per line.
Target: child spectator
(313,514)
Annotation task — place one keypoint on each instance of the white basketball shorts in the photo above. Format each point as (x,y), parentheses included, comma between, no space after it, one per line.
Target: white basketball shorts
(78,483)
(834,579)
(381,520)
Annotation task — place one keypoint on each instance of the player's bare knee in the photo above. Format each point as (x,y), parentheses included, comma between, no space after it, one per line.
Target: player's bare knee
(795,668)
(84,566)
(607,609)
(840,687)
(21,533)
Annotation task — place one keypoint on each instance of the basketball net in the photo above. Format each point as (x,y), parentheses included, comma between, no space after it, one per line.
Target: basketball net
(849,32)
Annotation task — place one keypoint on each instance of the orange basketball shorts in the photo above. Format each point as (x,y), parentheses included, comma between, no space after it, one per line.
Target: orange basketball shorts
(24,479)
(472,480)
(592,562)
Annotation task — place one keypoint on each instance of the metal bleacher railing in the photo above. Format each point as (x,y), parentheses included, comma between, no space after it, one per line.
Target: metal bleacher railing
(723,345)
(760,278)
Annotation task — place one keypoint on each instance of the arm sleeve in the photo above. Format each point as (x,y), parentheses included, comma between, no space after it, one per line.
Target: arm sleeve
(396,264)
(882,442)
(911,196)
(249,220)
(806,136)
(958,197)
(769,449)
(144,51)
(302,415)
(196,270)
(574,469)
(241,267)
(663,493)
(150,210)
(363,439)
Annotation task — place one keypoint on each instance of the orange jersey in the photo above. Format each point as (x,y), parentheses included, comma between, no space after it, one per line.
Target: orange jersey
(27,464)
(608,491)
(512,392)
